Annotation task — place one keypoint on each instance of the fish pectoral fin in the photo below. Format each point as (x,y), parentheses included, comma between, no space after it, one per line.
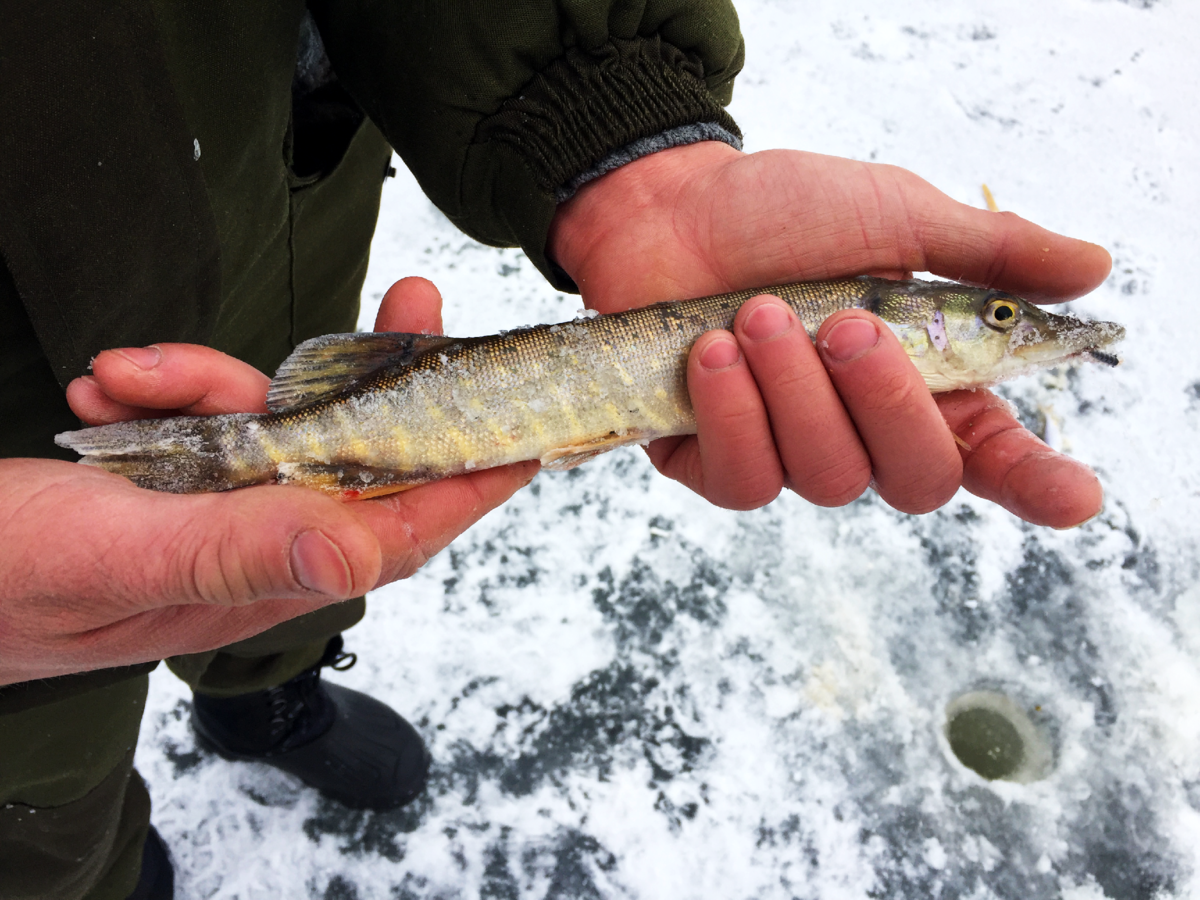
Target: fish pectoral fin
(346,481)
(560,459)
(326,366)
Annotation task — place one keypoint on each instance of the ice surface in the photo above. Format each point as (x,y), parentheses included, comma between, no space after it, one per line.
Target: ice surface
(631,694)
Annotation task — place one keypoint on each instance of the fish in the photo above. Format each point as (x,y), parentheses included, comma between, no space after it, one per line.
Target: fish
(363,415)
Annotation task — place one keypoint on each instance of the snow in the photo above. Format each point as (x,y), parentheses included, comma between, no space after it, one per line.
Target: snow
(631,694)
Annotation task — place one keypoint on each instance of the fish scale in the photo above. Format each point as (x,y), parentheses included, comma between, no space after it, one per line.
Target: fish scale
(362,415)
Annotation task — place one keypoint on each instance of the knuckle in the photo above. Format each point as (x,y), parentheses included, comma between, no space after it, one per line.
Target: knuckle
(413,550)
(748,487)
(842,480)
(219,569)
(406,565)
(753,498)
(238,577)
(890,393)
(174,575)
(686,466)
(691,473)
(923,491)
(789,378)
(735,428)
(210,575)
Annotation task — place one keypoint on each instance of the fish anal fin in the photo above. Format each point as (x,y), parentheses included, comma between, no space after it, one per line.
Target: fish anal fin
(561,459)
(346,481)
(326,366)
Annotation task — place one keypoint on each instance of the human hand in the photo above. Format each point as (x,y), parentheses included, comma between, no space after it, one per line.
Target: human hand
(95,572)
(826,420)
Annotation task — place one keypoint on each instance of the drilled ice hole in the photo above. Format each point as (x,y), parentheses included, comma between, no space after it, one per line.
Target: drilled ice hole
(991,735)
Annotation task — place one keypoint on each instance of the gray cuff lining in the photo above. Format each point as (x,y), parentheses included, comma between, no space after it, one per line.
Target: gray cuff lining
(664,140)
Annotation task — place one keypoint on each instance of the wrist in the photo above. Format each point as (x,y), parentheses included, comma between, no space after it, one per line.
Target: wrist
(614,216)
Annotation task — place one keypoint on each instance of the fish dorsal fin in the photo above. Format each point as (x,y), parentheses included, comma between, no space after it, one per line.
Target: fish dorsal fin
(326,366)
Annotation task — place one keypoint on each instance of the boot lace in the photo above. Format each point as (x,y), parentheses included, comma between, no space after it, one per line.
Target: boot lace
(292,705)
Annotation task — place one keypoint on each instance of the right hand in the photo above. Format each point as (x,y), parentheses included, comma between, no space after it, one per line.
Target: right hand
(830,417)
(95,572)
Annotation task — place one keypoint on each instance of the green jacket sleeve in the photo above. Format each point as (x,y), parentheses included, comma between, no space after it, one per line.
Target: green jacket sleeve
(496,106)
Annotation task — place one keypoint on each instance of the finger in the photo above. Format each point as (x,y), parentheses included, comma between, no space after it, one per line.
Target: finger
(128,549)
(739,468)
(265,543)
(189,378)
(874,218)
(88,400)
(993,249)
(1010,466)
(678,458)
(891,274)
(169,631)
(915,461)
(820,449)
(413,526)
(412,305)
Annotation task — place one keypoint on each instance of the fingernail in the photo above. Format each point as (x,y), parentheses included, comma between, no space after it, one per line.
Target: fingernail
(319,565)
(721,353)
(142,357)
(850,339)
(767,321)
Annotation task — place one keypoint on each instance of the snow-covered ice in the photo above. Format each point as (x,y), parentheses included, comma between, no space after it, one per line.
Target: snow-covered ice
(629,693)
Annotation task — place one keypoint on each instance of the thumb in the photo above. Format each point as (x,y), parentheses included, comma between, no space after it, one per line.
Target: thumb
(1003,250)
(87,548)
(259,543)
(413,305)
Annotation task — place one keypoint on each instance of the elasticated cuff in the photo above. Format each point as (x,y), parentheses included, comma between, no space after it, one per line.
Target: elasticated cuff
(576,117)
(664,140)
(584,106)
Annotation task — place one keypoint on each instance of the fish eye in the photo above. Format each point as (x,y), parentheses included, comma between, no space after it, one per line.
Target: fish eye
(1001,314)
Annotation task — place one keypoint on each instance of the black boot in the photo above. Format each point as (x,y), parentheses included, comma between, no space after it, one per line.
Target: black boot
(349,747)
(157,881)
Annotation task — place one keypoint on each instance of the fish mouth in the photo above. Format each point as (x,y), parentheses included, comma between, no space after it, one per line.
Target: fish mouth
(1062,338)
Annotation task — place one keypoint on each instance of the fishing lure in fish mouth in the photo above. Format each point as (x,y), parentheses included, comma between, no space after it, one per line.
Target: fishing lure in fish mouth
(1109,359)
(361,415)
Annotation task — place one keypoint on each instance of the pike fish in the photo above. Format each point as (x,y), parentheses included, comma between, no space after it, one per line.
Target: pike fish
(360,415)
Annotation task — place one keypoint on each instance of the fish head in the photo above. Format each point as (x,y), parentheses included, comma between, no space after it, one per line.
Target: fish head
(963,337)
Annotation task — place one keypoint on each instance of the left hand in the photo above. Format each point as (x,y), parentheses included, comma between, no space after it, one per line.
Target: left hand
(774,410)
(411,526)
(96,573)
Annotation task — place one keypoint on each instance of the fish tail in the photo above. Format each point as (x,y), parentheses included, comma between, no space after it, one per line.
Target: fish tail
(186,455)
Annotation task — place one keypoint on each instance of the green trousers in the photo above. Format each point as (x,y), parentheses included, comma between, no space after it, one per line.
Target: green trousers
(73,810)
